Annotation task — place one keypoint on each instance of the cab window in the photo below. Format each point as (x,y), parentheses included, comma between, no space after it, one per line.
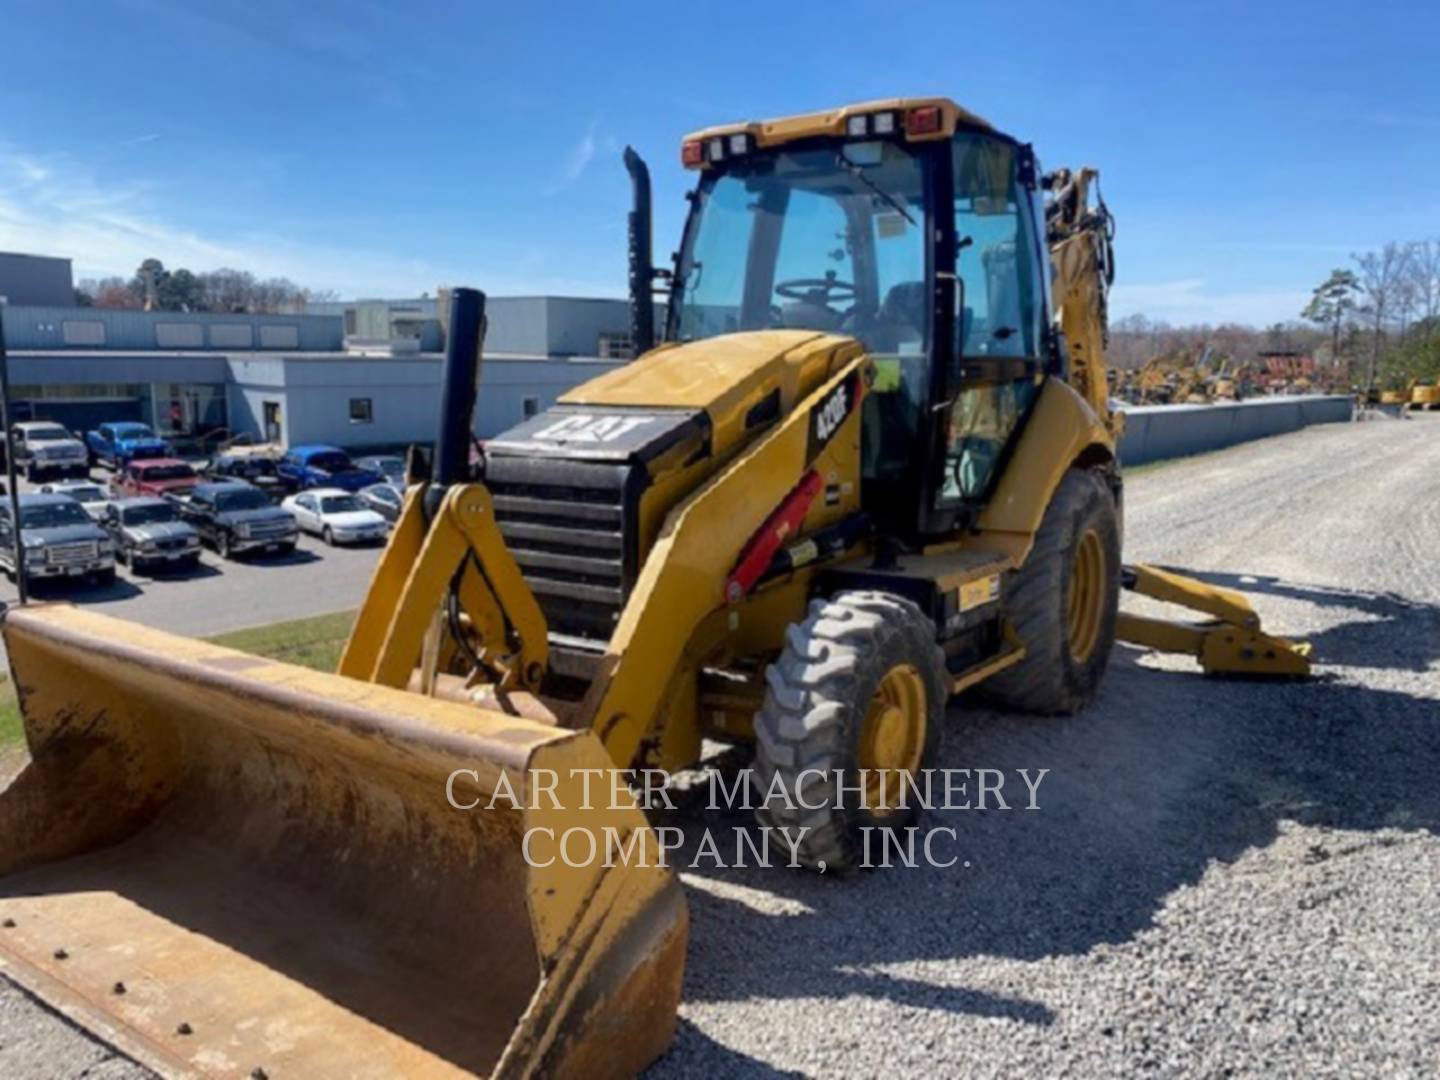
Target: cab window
(1000,312)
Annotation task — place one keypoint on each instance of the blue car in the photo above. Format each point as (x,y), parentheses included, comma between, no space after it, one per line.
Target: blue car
(119,444)
(323,466)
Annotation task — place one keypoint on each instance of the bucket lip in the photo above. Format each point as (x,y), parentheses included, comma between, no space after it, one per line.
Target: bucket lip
(462,731)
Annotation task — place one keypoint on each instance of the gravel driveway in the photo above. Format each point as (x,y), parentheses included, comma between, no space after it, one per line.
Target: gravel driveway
(1222,877)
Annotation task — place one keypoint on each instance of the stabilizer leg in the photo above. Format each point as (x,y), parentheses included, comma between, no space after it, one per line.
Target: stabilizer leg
(1230,643)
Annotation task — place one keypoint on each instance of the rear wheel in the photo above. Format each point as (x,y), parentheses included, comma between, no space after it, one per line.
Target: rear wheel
(859,691)
(1062,602)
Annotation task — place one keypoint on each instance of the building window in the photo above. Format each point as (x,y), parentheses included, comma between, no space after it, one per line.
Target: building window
(361,411)
(530,406)
(615,346)
(75,332)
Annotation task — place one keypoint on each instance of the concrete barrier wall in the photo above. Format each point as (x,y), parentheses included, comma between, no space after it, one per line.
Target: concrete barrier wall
(1155,432)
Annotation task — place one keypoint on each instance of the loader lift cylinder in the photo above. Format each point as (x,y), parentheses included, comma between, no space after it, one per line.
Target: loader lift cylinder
(460,381)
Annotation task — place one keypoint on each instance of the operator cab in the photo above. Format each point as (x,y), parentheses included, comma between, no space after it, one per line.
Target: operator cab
(910,225)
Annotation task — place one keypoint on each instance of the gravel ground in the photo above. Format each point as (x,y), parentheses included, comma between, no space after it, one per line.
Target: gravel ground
(1222,877)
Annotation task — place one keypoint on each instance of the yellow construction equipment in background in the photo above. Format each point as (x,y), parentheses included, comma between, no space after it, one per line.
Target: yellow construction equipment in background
(851,480)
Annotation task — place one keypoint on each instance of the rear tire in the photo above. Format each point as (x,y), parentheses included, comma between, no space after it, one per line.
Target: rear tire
(860,688)
(1062,602)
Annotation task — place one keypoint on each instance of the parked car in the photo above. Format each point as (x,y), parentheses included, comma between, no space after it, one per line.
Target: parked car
(147,532)
(59,540)
(87,493)
(126,441)
(236,517)
(305,467)
(157,476)
(337,517)
(389,466)
(385,499)
(44,448)
(254,469)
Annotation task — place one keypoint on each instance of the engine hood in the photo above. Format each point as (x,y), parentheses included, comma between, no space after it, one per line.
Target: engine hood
(260,515)
(731,378)
(582,491)
(65,534)
(159,530)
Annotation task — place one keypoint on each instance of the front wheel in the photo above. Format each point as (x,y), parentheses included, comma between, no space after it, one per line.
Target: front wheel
(327,536)
(222,545)
(1063,601)
(852,713)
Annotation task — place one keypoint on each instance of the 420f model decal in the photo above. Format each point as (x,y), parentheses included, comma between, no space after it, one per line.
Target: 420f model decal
(830,412)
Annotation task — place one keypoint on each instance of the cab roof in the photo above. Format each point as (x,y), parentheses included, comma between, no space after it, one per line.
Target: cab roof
(316,448)
(941,117)
(135,502)
(142,464)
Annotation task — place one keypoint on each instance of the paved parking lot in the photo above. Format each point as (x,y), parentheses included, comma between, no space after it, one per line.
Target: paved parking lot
(221,595)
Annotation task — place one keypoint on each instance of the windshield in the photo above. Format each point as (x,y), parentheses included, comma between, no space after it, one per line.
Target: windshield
(241,499)
(168,472)
(158,514)
(133,431)
(339,504)
(85,494)
(330,462)
(824,239)
(46,434)
(387,465)
(53,515)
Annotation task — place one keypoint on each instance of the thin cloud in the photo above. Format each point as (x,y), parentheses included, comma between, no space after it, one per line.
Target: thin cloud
(56,207)
(140,140)
(577,161)
(1190,300)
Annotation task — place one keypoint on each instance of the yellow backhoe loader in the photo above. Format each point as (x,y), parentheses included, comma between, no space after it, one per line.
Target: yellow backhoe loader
(1425,395)
(868,463)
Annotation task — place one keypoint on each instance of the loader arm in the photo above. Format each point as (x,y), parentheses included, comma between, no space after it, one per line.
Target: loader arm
(460,554)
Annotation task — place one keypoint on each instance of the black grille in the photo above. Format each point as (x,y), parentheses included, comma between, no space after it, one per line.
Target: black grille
(568,524)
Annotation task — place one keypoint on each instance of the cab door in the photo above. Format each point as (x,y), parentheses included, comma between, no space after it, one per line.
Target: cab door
(1001,348)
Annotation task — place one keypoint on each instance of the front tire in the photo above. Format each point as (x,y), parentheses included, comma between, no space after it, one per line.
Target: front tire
(222,545)
(1063,601)
(327,536)
(860,689)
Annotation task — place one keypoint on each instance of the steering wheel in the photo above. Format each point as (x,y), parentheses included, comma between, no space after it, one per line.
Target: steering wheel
(816,290)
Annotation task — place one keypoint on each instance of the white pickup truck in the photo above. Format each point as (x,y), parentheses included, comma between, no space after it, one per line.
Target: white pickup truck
(44,449)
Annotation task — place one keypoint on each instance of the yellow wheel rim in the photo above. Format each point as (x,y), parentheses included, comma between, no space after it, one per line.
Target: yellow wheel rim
(892,738)
(1085,597)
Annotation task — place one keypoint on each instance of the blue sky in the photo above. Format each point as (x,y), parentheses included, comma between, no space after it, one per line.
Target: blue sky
(378,148)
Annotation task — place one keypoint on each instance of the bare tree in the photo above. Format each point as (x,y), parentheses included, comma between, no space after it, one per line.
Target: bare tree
(1425,284)
(1380,274)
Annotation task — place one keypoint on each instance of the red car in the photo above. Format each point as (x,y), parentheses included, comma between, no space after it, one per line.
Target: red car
(156,476)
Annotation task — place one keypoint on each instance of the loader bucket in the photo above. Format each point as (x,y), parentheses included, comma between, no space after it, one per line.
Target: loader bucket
(226,865)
